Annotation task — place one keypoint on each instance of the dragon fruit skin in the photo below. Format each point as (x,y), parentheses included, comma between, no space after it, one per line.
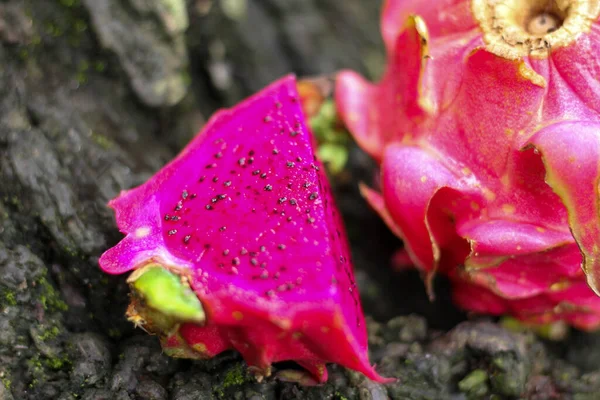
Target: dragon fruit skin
(489,142)
(244,215)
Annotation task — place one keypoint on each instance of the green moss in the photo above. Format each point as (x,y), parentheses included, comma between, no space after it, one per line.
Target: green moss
(99,66)
(49,334)
(36,371)
(103,142)
(81,77)
(236,376)
(339,396)
(475,384)
(80,26)
(39,367)
(49,297)
(57,363)
(53,29)
(6,382)
(9,298)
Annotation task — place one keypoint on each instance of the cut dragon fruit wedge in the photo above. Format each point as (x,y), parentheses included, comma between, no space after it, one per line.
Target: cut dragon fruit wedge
(237,244)
(486,124)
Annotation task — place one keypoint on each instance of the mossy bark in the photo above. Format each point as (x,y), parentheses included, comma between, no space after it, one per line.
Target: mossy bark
(95,96)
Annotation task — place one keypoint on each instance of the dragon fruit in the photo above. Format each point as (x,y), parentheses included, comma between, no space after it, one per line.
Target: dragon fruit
(237,244)
(486,125)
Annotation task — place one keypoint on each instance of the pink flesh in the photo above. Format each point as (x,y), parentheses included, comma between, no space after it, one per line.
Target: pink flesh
(486,172)
(246,211)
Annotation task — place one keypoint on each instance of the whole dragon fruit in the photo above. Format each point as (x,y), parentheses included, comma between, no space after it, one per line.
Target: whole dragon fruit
(237,244)
(487,127)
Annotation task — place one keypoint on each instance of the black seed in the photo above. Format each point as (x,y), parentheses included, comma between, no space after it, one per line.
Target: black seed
(235,261)
(253,261)
(193,196)
(202,178)
(250,160)
(167,217)
(187,238)
(289,164)
(242,161)
(209,207)
(293,202)
(222,196)
(264,274)
(222,228)
(256,172)
(268,188)
(267,119)
(209,166)
(299,159)
(263,175)
(172,232)
(214,200)
(275,151)
(175,218)
(313,196)
(251,153)
(289,219)
(294,133)
(243,251)
(282,200)
(215,179)
(263,265)
(227,183)
(278,104)
(225,252)
(219,155)
(179,206)
(310,220)
(263,248)
(281,246)
(306,184)
(184,194)
(269,293)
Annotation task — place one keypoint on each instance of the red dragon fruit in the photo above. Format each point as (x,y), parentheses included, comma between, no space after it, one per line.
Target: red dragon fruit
(237,244)
(487,127)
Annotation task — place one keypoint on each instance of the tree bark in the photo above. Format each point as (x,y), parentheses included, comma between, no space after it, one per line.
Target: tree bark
(97,95)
